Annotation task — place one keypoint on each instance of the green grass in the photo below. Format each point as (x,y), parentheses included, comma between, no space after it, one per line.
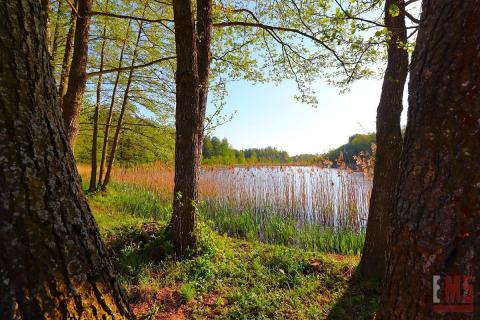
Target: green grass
(132,203)
(284,230)
(226,278)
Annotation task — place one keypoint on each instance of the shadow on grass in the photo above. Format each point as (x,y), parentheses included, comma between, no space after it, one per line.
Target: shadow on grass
(134,247)
(359,301)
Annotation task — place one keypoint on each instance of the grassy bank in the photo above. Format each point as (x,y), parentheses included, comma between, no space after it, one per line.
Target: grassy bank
(230,201)
(227,278)
(271,227)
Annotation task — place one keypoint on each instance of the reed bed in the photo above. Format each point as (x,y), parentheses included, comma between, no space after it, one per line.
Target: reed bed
(308,207)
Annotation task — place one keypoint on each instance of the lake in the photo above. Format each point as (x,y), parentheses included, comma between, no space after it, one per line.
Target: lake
(309,195)
(308,207)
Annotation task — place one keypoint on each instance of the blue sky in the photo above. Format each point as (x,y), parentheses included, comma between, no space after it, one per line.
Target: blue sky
(269,115)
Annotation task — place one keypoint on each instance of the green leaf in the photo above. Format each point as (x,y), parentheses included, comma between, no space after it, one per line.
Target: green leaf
(394,10)
(338,13)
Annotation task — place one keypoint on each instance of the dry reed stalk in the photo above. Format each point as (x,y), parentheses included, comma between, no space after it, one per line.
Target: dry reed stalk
(311,195)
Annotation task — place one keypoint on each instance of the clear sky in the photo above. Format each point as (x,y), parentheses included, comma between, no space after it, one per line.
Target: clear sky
(269,115)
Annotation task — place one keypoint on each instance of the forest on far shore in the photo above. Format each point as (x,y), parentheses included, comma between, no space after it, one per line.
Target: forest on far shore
(143,142)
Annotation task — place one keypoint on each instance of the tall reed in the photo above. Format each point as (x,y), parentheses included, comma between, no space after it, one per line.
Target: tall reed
(309,207)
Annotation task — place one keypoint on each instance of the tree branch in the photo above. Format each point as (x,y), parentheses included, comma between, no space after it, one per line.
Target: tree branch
(410,2)
(350,17)
(138,66)
(74,8)
(409,16)
(120,16)
(285,29)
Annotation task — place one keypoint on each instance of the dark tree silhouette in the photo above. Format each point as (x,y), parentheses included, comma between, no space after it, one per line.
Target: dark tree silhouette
(193,66)
(71,104)
(389,146)
(53,263)
(436,227)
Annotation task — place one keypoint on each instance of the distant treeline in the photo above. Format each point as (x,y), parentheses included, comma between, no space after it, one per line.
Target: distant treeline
(137,145)
(216,151)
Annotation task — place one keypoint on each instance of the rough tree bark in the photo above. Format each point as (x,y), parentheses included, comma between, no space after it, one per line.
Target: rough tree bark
(53,263)
(108,121)
(67,58)
(46,8)
(389,147)
(78,73)
(204,40)
(118,129)
(93,172)
(193,61)
(56,33)
(436,224)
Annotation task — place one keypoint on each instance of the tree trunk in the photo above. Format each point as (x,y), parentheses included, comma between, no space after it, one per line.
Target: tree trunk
(67,58)
(93,173)
(389,147)
(436,225)
(53,263)
(46,8)
(193,60)
(56,33)
(118,129)
(110,112)
(204,40)
(78,73)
